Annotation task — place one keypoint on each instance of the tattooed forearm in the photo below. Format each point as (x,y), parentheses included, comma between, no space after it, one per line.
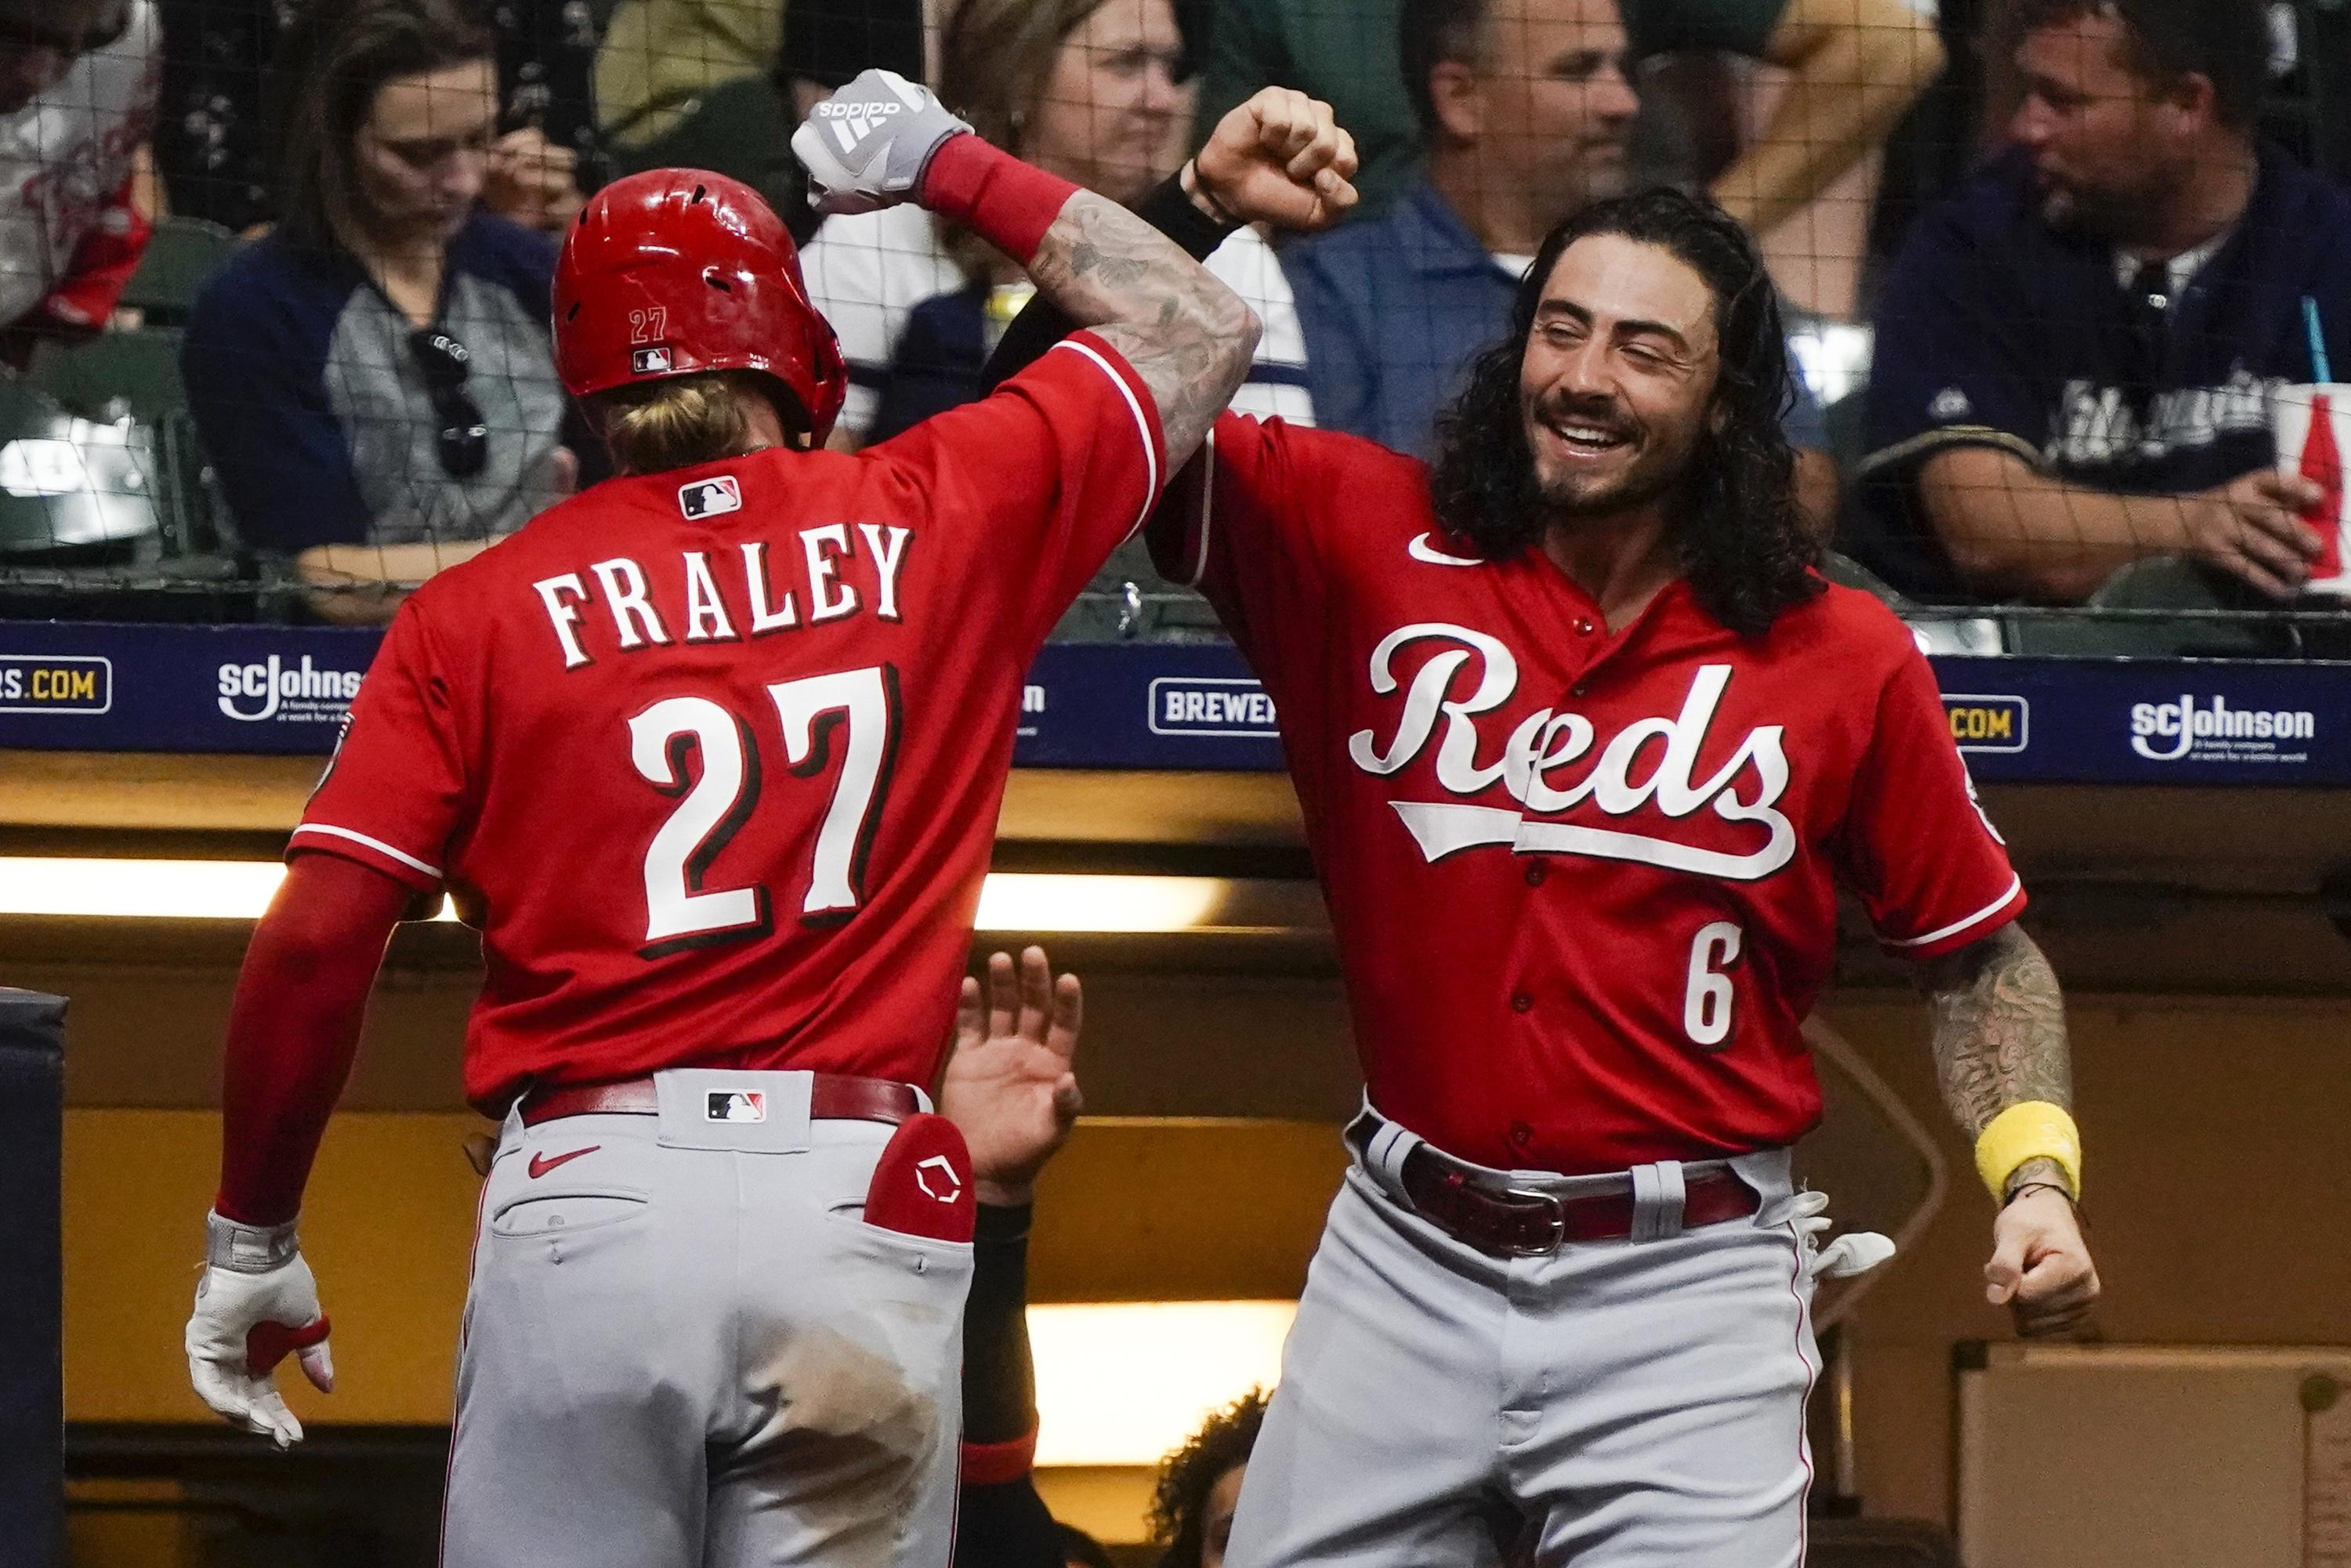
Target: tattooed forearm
(1999,1030)
(1188,336)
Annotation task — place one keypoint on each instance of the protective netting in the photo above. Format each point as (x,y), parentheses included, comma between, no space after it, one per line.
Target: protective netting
(2066,284)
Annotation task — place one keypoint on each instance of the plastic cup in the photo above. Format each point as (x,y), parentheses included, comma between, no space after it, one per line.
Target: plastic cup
(2314,439)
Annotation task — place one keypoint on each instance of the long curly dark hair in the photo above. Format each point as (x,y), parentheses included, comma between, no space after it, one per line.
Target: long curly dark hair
(1179,1503)
(1742,541)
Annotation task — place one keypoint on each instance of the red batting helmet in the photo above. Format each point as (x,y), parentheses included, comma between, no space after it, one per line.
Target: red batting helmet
(678,270)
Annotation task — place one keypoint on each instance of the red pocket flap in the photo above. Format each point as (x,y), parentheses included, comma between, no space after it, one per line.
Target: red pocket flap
(923,1184)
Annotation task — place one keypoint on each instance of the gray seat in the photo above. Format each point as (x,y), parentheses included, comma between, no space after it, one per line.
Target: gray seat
(180,259)
(1847,572)
(2125,619)
(135,373)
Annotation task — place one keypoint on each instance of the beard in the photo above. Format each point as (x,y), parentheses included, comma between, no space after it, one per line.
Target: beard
(2104,213)
(1655,462)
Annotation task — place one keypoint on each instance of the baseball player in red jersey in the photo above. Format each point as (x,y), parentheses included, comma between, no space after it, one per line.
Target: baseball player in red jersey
(1586,749)
(712,755)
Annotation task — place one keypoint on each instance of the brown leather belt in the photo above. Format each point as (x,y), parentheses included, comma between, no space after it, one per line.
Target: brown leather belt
(1522,1222)
(834,1097)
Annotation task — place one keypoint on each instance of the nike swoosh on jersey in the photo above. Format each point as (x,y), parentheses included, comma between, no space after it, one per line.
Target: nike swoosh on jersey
(542,1164)
(1421,549)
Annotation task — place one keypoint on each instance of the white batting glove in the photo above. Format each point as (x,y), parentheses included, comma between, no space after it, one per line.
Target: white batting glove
(256,1303)
(866,146)
(1855,1252)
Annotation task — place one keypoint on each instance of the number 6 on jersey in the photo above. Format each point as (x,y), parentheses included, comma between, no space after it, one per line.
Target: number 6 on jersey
(1707,1001)
(860,704)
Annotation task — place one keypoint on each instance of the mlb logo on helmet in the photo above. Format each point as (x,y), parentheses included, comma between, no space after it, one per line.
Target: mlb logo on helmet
(649,362)
(736,1105)
(709,498)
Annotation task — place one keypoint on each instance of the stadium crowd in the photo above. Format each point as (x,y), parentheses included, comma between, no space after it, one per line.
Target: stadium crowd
(344,213)
(315,241)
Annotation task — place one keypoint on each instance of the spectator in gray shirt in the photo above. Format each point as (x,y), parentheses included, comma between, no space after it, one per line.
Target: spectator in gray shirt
(375,381)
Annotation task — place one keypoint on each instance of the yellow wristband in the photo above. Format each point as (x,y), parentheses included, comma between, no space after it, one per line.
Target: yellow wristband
(2030,1130)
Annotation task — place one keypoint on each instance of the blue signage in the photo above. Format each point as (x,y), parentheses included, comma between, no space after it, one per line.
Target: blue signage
(97,688)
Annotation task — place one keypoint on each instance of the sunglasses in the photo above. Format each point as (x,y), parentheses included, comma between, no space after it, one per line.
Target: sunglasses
(462,441)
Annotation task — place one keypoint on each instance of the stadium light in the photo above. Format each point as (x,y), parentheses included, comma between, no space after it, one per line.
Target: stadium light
(240,890)
(1125,1382)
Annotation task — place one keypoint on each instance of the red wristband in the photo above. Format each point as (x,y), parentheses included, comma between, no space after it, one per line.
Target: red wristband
(1006,203)
(993,1464)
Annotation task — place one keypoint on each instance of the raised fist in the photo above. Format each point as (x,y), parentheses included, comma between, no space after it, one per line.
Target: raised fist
(866,146)
(1282,159)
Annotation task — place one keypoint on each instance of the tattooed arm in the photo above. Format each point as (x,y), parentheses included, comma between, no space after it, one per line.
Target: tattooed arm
(882,140)
(1187,335)
(1999,1040)
(2000,1036)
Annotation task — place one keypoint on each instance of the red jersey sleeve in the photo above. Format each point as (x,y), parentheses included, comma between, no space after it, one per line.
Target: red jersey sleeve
(1244,524)
(1928,864)
(396,791)
(1058,466)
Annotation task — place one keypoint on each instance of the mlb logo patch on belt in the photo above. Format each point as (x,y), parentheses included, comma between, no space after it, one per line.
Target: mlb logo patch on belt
(736,1105)
(709,498)
(649,362)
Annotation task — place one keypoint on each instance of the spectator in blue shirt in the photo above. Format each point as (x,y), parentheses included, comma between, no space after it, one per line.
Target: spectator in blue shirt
(1525,115)
(375,381)
(2077,356)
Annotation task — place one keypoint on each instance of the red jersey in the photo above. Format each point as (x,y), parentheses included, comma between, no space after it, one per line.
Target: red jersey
(1584,884)
(714,756)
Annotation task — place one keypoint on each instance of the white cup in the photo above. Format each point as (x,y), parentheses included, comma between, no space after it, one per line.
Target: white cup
(2291,416)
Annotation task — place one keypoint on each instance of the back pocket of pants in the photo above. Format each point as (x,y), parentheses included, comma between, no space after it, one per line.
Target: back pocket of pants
(554,1214)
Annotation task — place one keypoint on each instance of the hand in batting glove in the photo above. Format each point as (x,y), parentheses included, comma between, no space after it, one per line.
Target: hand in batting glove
(1008,1086)
(1279,157)
(866,146)
(256,1302)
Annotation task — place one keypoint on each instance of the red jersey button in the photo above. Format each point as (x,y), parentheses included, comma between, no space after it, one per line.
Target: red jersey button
(1535,874)
(1521,1134)
(1583,627)
(1522,1003)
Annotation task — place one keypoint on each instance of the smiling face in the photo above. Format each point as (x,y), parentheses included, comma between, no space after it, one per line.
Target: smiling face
(1618,376)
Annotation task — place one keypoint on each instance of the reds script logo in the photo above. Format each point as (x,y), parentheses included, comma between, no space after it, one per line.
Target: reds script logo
(1547,743)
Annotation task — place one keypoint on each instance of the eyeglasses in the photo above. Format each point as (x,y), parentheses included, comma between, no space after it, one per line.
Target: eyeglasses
(462,441)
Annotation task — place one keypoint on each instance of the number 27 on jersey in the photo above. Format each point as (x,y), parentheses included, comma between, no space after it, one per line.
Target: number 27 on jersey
(855,711)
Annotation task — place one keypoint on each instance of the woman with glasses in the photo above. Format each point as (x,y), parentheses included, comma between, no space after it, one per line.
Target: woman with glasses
(374,379)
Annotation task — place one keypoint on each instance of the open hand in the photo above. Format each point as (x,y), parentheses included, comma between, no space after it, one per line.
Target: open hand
(1282,159)
(2040,1269)
(1008,1084)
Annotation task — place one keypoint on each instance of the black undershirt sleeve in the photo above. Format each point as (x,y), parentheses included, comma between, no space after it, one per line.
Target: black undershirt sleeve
(1000,1523)
(1040,325)
(999,1385)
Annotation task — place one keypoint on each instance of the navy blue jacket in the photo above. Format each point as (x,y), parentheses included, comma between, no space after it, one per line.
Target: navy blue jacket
(1996,330)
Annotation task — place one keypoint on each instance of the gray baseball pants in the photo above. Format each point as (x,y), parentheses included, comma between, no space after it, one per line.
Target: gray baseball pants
(683,1348)
(1635,1404)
